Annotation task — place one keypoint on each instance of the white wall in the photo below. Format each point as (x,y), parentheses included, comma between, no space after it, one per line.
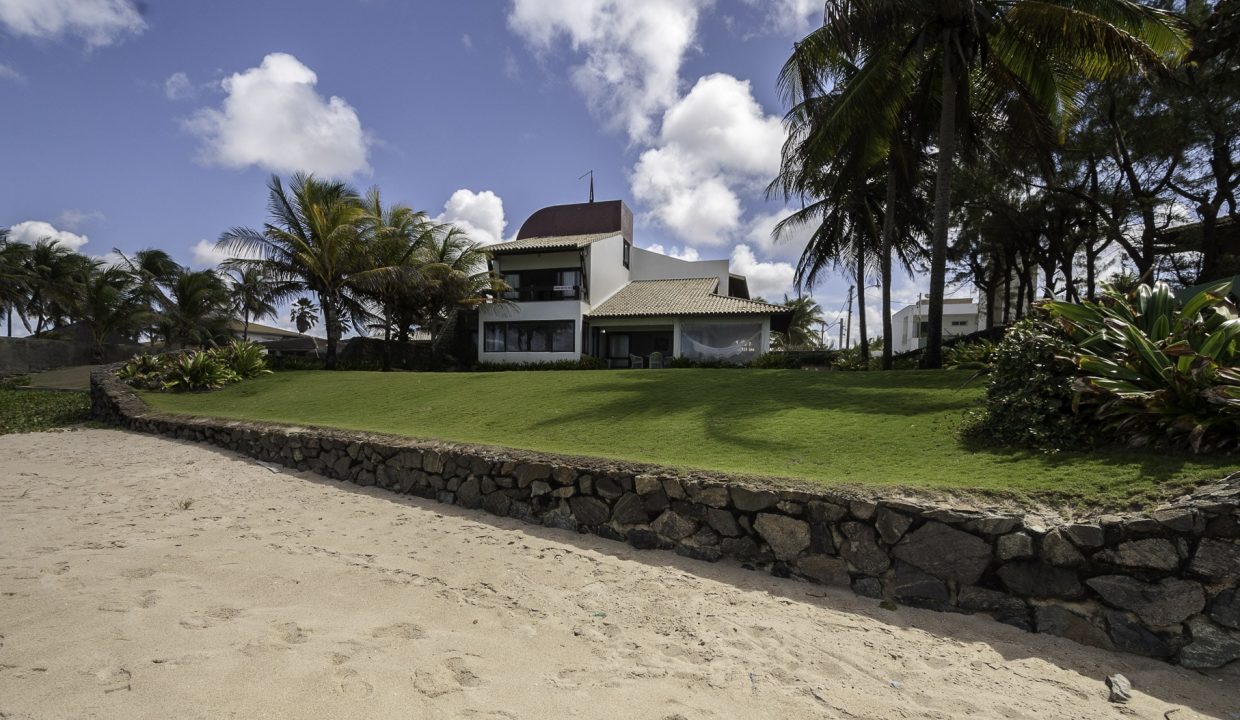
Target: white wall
(648,265)
(607,272)
(516,312)
(906,323)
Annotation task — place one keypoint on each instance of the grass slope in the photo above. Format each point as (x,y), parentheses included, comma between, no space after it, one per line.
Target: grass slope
(893,428)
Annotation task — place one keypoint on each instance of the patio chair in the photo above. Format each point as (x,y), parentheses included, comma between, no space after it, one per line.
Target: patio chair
(635,361)
(656,361)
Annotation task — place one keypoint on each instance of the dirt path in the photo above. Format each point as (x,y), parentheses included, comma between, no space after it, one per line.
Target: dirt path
(144,578)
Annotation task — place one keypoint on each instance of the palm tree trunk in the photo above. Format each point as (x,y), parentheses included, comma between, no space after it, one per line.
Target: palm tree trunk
(884,260)
(245,331)
(387,341)
(933,357)
(333,329)
(865,343)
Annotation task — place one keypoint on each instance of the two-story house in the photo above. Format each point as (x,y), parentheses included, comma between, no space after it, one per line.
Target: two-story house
(580,288)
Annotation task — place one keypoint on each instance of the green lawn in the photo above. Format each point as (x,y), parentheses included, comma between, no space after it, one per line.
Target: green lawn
(894,428)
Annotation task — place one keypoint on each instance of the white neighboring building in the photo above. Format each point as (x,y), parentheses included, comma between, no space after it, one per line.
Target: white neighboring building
(961,316)
(580,288)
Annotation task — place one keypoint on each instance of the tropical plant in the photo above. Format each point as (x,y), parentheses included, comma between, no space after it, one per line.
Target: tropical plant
(392,235)
(974,355)
(245,359)
(304,315)
(1010,66)
(54,277)
(456,277)
(196,311)
(1157,371)
(109,304)
(252,296)
(311,243)
(153,270)
(14,285)
(801,334)
(200,370)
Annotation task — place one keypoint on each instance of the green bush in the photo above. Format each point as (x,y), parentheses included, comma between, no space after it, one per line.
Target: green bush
(200,370)
(36,411)
(1156,371)
(974,355)
(14,381)
(585,363)
(1030,399)
(246,359)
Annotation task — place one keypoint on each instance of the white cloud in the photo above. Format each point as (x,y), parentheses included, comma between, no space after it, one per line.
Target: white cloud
(32,231)
(467,42)
(792,17)
(273,118)
(97,22)
(689,254)
(479,214)
(632,51)
(74,219)
(204,255)
(790,245)
(8,73)
(770,280)
(178,86)
(714,142)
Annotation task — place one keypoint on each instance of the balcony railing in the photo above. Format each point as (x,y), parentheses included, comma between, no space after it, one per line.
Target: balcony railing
(543,293)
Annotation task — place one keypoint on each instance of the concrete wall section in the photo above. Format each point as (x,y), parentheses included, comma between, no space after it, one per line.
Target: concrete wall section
(19,356)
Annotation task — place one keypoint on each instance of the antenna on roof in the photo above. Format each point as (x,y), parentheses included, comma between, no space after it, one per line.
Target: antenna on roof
(591,174)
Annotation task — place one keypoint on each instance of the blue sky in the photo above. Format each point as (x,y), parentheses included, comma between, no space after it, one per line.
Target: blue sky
(158,127)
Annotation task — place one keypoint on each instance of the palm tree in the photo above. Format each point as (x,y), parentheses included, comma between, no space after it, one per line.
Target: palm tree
(458,276)
(392,235)
(805,315)
(1017,63)
(55,276)
(14,288)
(152,270)
(197,308)
(304,315)
(253,296)
(311,242)
(110,303)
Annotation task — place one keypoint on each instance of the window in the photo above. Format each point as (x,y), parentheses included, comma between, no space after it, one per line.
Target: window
(540,285)
(529,336)
(627,247)
(959,323)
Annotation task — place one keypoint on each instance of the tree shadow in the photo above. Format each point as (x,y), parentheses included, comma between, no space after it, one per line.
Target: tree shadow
(1197,690)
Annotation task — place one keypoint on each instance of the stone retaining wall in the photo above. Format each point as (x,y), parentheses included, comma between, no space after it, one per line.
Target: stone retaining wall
(1165,585)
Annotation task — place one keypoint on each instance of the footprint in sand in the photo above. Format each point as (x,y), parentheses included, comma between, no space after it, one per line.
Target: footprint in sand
(351,684)
(450,677)
(209,618)
(148,600)
(138,573)
(399,631)
(291,633)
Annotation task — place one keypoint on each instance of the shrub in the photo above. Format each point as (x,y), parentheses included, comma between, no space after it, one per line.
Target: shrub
(36,411)
(585,363)
(975,355)
(246,359)
(144,371)
(200,370)
(1029,400)
(14,381)
(1155,371)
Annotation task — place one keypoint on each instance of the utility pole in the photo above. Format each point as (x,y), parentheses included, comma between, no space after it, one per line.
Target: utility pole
(840,322)
(848,332)
(591,175)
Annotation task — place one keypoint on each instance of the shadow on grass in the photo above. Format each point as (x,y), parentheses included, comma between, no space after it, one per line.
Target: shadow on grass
(1174,685)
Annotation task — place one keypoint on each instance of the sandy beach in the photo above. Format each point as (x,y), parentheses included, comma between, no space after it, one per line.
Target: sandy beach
(146,578)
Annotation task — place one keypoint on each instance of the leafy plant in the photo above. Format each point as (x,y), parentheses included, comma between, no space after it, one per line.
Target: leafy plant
(976,355)
(200,370)
(37,411)
(1029,401)
(1158,372)
(245,359)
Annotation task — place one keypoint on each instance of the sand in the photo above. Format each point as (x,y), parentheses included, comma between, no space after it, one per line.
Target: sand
(147,578)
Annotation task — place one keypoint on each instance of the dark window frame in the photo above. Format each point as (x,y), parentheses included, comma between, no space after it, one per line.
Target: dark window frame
(628,250)
(543,290)
(525,333)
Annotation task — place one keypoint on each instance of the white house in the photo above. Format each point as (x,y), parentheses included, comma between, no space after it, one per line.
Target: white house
(910,325)
(580,288)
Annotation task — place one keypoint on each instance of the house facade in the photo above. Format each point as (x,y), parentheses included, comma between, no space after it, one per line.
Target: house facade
(580,288)
(910,325)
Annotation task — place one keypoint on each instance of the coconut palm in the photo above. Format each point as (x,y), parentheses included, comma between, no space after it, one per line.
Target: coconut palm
(310,243)
(1019,64)
(805,315)
(153,270)
(252,295)
(111,303)
(14,287)
(458,277)
(304,315)
(392,235)
(54,276)
(197,307)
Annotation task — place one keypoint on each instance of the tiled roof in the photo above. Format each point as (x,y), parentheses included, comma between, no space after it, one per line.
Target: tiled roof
(561,242)
(694,296)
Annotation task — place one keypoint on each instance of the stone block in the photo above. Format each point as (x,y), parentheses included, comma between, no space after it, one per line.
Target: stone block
(946,553)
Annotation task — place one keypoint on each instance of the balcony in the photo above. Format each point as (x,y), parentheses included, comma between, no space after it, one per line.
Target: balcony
(543,293)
